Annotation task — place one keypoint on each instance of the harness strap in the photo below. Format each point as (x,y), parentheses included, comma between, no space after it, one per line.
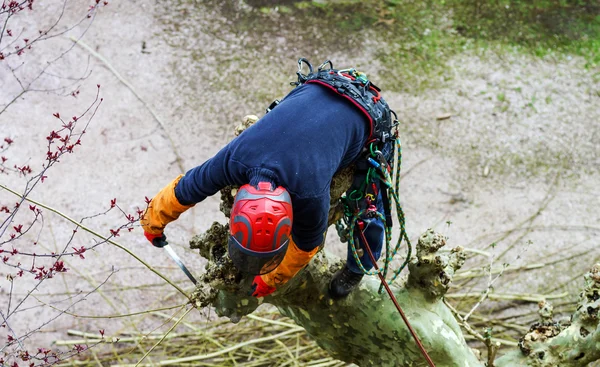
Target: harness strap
(365,96)
(355,87)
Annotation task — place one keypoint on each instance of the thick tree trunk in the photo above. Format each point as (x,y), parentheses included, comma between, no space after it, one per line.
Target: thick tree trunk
(365,328)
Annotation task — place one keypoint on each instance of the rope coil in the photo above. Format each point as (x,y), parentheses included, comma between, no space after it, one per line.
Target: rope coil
(346,230)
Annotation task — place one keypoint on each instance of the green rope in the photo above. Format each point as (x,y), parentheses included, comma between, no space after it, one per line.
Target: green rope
(387,180)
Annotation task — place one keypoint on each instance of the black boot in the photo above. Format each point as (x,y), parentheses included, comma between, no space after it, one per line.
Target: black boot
(343,282)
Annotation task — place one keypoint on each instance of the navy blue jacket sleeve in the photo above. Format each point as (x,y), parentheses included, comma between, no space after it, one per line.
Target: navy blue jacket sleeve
(310,221)
(208,178)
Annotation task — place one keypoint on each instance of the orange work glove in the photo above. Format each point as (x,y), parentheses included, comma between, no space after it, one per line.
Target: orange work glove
(293,261)
(162,210)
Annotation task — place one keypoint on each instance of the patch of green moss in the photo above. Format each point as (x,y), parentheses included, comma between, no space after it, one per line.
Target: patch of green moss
(538,26)
(419,36)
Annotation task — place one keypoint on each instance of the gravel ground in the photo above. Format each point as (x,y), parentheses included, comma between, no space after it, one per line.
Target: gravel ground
(519,151)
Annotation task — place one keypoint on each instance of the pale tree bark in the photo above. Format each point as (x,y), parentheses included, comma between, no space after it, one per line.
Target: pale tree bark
(365,327)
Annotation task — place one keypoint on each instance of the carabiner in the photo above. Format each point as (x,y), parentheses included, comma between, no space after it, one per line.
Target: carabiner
(301,76)
(325,63)
(381,158)
(395,122)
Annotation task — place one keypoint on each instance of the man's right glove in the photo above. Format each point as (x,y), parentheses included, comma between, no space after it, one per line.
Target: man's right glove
(162,210)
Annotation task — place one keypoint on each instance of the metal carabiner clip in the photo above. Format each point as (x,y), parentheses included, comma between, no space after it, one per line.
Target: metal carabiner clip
(395,121)
(381,158)
(324,64)
(301,76)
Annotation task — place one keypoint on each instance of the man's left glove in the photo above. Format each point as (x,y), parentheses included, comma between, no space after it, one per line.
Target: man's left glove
(294,260)
(162,210)
(260,288)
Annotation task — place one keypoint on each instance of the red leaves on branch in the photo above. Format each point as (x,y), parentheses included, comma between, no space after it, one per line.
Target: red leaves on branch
(9,32)
(8,141)
(78,348)
(80,251)
(101,332)
(113,202)
(57,115)
(24,355)
(59,267)
(147,200)
(18,228)
(53,135)
(115,233)
(5,209)
(24,169)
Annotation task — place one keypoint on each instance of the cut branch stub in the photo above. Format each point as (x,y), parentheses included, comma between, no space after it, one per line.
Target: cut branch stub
(546,311)
(571,345)
(431,272)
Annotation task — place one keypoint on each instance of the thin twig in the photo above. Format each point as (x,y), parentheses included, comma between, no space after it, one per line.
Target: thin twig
(164,336)
(97,235)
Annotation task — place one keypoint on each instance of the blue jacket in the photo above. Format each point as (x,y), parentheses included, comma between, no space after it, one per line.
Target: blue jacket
(299,145)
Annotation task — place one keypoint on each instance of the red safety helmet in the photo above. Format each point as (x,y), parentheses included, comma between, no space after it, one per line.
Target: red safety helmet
(259,228)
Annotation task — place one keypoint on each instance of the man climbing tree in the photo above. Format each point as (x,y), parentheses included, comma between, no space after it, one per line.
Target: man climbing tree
(284,164)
